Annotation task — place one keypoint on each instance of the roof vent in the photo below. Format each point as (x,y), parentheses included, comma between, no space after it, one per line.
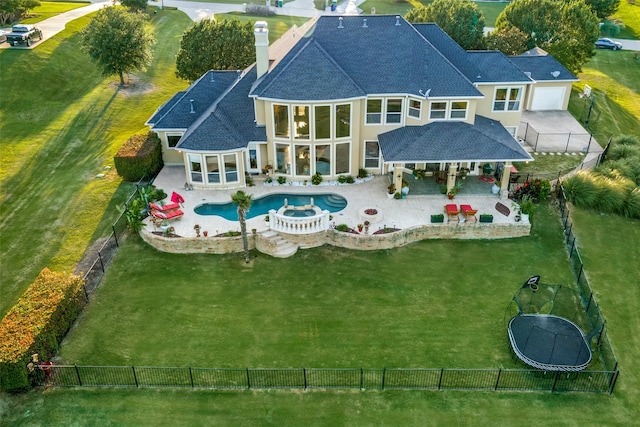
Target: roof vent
(340,22)
(555,74)
(364,23)
(397,20)
(527,73)
(211,77)
(193,110)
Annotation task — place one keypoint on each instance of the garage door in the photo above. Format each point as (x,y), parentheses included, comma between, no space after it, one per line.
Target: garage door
(547,98)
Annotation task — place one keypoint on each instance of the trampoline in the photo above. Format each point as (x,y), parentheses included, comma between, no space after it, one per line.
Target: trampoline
(549,342)
(545,327)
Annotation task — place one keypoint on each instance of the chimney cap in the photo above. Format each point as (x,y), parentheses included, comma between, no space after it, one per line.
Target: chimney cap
(261,26)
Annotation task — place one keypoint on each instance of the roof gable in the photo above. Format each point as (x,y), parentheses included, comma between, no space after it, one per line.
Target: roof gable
(378,54)
(228,123)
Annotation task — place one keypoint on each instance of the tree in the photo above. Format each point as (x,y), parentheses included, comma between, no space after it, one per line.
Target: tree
(135,5)
(460,19)
(215,45)
(603,8)
(565,29)
(509,40)
(243,201)
(118,41)
(13,10)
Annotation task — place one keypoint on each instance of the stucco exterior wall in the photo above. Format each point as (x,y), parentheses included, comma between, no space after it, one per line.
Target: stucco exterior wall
(169,155)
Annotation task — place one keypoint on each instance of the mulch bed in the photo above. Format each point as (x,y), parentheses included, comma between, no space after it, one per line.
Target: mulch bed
(387,230)
(502,209)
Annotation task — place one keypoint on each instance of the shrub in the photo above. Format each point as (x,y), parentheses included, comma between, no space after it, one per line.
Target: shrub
(259,10)
(140,156)
(350,179)
(581,189)
(343,227)
(36,325)
(316,179)
(342,179)
(282,180)
(610,28)
(362,173)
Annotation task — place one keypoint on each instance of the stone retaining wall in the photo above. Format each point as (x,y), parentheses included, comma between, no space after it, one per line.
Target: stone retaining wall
(222,245)
(196,245)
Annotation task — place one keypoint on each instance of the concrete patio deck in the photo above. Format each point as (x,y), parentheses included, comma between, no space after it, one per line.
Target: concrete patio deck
(414,211)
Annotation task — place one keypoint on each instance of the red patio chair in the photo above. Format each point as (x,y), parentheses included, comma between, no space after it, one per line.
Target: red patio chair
(164,208)
(174,214)
(469,213)
(452,212)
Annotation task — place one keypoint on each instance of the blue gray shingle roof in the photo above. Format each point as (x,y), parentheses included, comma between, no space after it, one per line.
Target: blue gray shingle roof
(176,114)
(381,58)
(228,123)
(477,66)
(542,66)
(445,141)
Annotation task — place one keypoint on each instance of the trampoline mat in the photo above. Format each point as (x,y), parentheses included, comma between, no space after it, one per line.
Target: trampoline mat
(549,342)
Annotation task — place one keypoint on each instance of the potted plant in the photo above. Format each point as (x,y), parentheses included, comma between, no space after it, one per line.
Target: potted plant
(486,218)
(391,190)
(443,189)
(495,189)
(527,207)
(366,227)
(397,195)
(360,227)
(437,218)
(197,228)
(266,169)
(405,189)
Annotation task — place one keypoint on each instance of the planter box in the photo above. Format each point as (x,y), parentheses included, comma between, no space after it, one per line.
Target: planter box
(439,218)
(486,218)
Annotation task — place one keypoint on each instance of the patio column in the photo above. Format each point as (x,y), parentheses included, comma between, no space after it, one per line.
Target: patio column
(398,170)
(504,180)
(451,176)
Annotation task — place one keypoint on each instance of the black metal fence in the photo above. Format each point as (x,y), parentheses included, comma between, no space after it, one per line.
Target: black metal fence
(313,378)
(94,274)
(592,310)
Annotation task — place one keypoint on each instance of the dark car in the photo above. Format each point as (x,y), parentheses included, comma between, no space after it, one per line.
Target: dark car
(608,44)
(24,34)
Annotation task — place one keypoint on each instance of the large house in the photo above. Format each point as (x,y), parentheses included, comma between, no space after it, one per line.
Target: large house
(344,93)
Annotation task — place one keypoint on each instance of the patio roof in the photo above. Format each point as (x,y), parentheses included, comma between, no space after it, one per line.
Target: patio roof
(448,141)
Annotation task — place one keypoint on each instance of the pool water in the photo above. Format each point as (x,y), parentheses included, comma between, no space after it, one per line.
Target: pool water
(331,202)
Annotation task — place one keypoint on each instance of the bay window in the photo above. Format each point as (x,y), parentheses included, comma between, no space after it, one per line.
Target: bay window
(281,120)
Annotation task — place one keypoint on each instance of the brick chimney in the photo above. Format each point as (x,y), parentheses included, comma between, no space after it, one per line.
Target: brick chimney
(261,33)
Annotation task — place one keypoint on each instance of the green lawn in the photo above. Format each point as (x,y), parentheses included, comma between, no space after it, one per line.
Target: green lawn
(58,133)
(615,80)
(491,10)
(325,307)
(629,14)
(278,25)
(48,9)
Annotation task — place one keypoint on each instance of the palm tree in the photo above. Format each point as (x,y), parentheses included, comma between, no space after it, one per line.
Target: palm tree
(243,201)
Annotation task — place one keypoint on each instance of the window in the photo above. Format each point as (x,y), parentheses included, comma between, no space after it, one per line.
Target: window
(394,110)
(323,121)
(283,161)
(371,154)
(507,99)
(458,110)
(343,121)
(302,159)
(374,111)
(230,168)
(195,166)
(438,110)
(172,140)
(323,159)
(514,99)
(414,108)
(213,169)
(281,120)
(343,158)
(301,122)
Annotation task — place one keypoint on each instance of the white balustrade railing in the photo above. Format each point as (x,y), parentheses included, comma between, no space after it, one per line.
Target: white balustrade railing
(298,225)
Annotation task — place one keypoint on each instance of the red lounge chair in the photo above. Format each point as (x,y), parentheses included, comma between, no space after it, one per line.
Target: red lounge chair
(452,212)
(174,214)
(469,213)
(164,208)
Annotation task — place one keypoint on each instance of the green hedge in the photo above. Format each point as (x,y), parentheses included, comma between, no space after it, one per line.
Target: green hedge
(140,156)
(36,325)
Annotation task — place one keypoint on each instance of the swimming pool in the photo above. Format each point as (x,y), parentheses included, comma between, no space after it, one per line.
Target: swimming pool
(328,201)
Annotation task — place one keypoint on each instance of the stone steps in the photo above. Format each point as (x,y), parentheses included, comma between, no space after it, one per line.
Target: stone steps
(276,246)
